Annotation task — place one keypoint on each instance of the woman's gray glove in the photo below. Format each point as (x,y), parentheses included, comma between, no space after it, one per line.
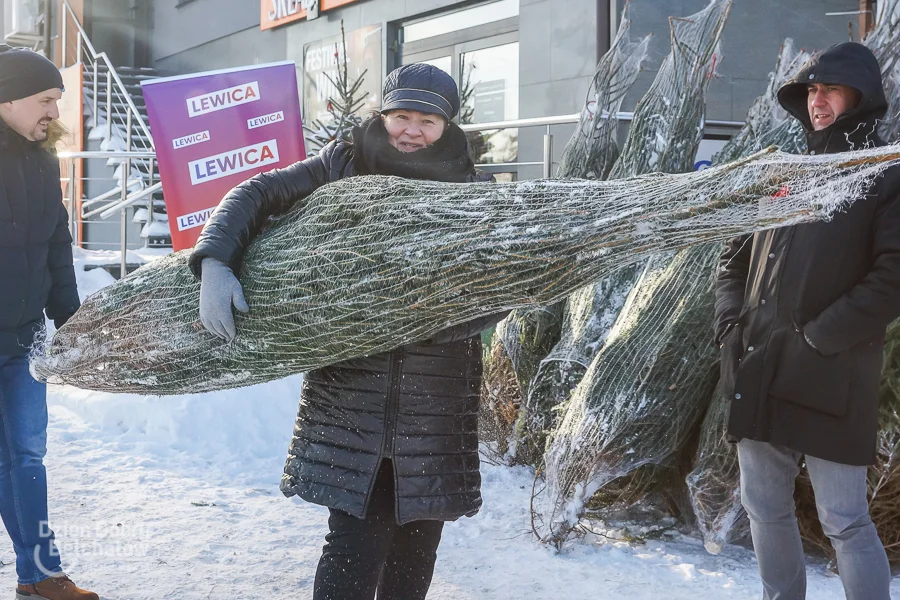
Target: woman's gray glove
(219,289)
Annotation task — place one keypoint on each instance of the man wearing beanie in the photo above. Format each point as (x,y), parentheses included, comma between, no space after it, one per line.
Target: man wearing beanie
(37,277)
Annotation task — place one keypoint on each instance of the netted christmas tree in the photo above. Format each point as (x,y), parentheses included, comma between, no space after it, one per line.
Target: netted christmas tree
(367,264)
(714,482)
(524,338)
(343,109)
(511,362)
(592,150)
(669,115)
(634,377)
(640,398)
(884,41)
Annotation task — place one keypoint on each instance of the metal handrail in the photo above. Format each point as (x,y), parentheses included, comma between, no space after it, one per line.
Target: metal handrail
(85,39)
(108,204)
(515,123)
(84,42)
(137,155)
(571,119)
(135,114)
(125,114)
(116,191)
(108,211)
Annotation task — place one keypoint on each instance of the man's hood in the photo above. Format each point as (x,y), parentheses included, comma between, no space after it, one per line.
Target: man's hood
(849,64)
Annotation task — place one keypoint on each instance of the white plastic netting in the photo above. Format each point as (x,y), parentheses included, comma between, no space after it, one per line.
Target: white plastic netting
(516,348)
(664,136)
(527,335)
(714,482)
(592,151)
(884,41)
(641,396)
(366,264)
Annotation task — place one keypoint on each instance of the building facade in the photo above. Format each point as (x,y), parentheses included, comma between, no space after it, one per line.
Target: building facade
(512,58)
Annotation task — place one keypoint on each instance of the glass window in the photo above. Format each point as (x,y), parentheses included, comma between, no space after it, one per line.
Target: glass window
(444,63)
(463,19)
(318,64)
(479,47)
(490,84)
(25,16)
(489,92)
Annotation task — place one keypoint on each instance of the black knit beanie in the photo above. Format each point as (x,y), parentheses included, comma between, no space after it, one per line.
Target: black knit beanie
(24,73)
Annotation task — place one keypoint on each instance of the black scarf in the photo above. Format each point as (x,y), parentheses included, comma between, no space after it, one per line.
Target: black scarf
(445,160)
(848,132)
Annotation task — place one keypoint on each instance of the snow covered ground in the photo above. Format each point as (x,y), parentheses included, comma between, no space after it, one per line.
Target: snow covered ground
(177,497)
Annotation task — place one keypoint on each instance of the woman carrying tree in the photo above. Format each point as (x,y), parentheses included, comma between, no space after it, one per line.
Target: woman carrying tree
(389,443)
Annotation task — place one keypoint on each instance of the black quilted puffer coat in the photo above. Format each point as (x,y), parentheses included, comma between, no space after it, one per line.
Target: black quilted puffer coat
(417,405)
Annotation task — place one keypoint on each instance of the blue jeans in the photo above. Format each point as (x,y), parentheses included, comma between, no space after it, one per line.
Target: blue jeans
(768,472)
(23,478)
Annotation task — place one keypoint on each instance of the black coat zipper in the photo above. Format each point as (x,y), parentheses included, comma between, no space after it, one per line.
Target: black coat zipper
(392,405)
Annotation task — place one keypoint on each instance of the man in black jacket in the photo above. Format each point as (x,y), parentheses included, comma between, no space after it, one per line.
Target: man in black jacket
(801,314)
(36,276)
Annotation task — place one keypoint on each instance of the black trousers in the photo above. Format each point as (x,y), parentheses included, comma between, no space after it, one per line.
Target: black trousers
(362,555)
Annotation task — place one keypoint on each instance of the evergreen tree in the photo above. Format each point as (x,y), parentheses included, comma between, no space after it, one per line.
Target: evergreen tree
(342,109)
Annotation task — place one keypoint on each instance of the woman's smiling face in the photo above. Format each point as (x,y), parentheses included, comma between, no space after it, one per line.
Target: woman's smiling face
(411,130)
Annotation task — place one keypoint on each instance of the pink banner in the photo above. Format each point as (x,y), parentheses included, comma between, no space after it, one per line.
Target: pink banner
(216,129)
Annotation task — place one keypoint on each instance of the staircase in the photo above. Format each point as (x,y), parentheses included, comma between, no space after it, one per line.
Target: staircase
(115,135)
(116,121)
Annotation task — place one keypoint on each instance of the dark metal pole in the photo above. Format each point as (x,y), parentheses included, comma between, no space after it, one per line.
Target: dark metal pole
(603,27)
(48,26)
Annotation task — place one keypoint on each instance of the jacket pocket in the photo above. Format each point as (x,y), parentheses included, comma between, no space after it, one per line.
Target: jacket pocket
(806,378)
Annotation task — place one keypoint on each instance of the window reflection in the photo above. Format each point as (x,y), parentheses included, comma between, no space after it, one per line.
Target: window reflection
(487,13)
(489,92)
(444,63)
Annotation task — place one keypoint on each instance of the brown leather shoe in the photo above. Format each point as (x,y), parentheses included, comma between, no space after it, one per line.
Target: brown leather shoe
(59,587)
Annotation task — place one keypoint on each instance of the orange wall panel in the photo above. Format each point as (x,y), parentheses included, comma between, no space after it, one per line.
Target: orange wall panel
(71,115)
(71,40)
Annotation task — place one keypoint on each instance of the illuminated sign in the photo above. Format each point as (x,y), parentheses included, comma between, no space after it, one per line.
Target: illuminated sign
(273,13)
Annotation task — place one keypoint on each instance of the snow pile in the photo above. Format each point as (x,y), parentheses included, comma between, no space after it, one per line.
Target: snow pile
(228,428)
(177,498)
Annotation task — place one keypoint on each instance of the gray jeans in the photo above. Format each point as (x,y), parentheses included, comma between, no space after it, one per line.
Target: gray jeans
(768,473)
